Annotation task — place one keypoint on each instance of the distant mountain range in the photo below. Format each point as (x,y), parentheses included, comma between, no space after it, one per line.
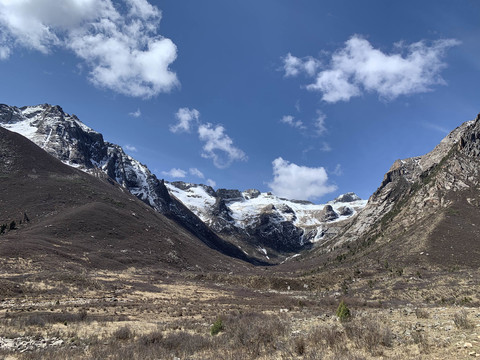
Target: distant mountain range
(426,209)
(261,225)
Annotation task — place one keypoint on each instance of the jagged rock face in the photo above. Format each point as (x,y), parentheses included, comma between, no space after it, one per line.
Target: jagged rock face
(348,197)
(265,220)
(65,137)
(418,196)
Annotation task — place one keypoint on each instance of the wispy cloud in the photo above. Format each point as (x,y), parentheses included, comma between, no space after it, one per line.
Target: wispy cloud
(219,146)
(196,172)
(119,44)
(299,182)
(290,120)
(175,173)
(319,123)
(211,183)
(185,117)
(135,114)
(131,148)
(358,67)
(436,127)
(338,171)
(325,147)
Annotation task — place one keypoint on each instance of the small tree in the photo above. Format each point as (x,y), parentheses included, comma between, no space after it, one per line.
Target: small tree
(216,327)
(343,312)
(12,225)
(3,228)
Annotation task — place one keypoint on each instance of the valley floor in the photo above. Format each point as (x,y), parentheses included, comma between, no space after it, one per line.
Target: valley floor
(146,314)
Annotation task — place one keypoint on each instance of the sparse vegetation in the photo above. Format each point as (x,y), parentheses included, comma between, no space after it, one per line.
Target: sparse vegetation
(462,321)
(343,312)
(216,327)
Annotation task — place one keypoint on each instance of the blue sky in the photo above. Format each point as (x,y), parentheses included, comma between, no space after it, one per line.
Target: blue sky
(308,99)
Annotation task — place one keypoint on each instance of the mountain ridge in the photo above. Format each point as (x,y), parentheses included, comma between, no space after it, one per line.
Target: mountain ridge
(67,138)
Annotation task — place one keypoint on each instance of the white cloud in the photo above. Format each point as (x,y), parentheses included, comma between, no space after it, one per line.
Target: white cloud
(211,183)
(293,65)
(299,182)
(325,147)
(131,148)
(219,146)
(338,170)
(358,67)
(124,51)
(185,118)
(290,120)
(196,172)
(136,114)
(320,123)
(175,173)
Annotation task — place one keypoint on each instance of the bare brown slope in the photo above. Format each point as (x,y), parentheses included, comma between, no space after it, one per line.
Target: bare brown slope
(426,213)
(64,216)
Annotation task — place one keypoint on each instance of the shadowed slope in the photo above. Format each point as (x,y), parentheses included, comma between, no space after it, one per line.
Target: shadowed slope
(63,215)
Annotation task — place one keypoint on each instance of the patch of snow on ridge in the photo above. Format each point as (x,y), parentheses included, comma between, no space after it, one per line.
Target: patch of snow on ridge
(23,128)
(195,198)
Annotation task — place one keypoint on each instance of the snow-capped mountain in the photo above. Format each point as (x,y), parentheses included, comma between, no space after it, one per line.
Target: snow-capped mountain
(258,223)
(67,138)
(273,222)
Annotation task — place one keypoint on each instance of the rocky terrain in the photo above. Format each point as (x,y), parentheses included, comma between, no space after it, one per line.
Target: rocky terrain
(427,207)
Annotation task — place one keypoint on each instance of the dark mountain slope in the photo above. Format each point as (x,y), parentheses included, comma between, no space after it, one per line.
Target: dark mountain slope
(427,209)
(63,216)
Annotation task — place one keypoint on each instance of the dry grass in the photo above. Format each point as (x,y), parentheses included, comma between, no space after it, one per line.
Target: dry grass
(136,315)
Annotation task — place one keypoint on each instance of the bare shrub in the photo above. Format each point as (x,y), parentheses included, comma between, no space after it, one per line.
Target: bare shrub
(422,313)
(369,334)
(299,345)
(123,333)
(254,332)
(153,338)
(183,344)
(328,337)
(421,340)
(461,320)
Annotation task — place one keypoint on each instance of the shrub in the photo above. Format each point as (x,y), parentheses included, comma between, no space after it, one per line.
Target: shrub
(343,312)
(461,320)
(12,225)
(216,327)
(422,313)
(369,334)
(123,333)
(300,345)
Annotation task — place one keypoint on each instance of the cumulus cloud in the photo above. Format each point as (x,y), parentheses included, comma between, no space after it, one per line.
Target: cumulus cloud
(299,182)
(185,118)
(123,49)
(358,67)
(175,173)
(293,66)
(131,148)
(219,146)
(290,120)
(136,114)
(211,183)
(196,172)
